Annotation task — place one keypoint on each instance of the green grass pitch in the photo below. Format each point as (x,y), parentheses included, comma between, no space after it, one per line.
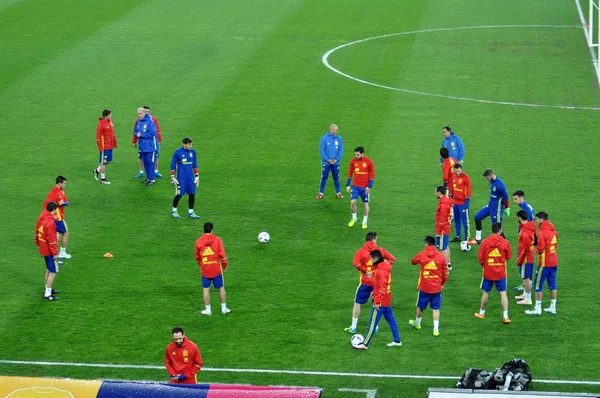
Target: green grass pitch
(246,81)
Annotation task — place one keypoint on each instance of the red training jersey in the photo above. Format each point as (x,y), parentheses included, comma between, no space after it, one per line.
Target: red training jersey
(443,215)
(547,244)
(158,134)
(526,237)
(210,255)
(434,270)
(460,188)
(363,170)
(184,359)
(56,195)
(362,261)
(105,135)
(45,234)
(493,254)
(447,169)
(382,290)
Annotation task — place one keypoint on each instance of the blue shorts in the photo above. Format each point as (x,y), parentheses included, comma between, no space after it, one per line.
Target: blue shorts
(105,156)
(363,293)
(525,271)
(545,273)
(441,242)
(496,217)
(51,265)
(185,187)
(357,191)
(486,285)
(61,226)
(217,282)
(434,300)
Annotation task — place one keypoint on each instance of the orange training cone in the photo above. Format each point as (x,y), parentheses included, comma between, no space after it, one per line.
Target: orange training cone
(108,255)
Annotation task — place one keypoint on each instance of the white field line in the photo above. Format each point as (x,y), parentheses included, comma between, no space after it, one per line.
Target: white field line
(586,33)
(272,371)
(325,61)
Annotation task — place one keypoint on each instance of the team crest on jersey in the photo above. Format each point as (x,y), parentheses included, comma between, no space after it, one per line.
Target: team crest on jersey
(452,144)
(494,189)
(191,155)
(364,164)
(460,180)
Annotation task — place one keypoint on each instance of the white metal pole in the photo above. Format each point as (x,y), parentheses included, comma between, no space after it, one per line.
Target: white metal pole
(590,29)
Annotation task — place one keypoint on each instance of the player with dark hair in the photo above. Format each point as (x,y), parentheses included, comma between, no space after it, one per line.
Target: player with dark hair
(159,137)
(497,205)
(211,257)
(184,177)
(382,301)
(447,166)
(362,262)
(460,192)
(145,132)
(57,194)
(443,217)
(547,245)
(455,146)
(493,254)
(526,256)
(331,148)
(519,199)
(363,170)
(182,359)
(46,239)
(106,141)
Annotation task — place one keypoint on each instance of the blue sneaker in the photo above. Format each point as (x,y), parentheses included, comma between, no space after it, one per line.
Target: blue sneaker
(158,175)
(193,215)
(174,214)
(139,175)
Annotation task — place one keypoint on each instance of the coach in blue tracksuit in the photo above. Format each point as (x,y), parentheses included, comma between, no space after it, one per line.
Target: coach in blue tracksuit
(331,149)
(456,149)
(145,131)
(497,205)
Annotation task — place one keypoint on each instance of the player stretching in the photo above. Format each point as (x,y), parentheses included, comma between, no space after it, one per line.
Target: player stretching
(57,194)
(497,205)
(363,170)
(443,217)
(185,164)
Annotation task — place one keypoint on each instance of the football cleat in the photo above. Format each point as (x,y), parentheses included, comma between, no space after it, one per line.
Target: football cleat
(394,344)
(360,347)
(320,195)
(506,321)
(364,226)
(105,181)
(227,311)
(449,267)
(205,312)
(377,329)
(193,215)
(550,310)
(139,175)
(478,315)
(149,182)
(55,292)
(436,333)
(174,214)
(413,324)
(533,312)
(350,330)
(456,239)
(64,255)
(351,223)
(474,242)
(51,298)
(339,196)
(521,297)
(96,172)
(158,175)
(145,181)
(524,302)
(517,288)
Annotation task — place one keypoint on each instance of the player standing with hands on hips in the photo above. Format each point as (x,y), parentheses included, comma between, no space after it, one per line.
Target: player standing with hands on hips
(363,170)
(184,176)
(182,359)
(331,149)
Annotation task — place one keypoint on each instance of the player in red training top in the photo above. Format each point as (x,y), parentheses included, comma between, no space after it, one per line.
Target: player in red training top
(156,154)
(182,359)
(106,141)
(364,177)
(447,165)
(57,194)
(45,238)
(493,254)
(460,192)
(547,245)
(432,278)
(526,255)
(212,260)
(362,262)
(443,223)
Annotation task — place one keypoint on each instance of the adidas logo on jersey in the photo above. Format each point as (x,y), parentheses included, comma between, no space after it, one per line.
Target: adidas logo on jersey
(208,252)
(431,265)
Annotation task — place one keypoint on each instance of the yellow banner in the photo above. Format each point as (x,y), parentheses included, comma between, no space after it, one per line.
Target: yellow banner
(33,387)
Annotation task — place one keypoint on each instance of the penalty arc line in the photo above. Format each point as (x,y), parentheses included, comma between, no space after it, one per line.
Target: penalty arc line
(271,371)
(325,61)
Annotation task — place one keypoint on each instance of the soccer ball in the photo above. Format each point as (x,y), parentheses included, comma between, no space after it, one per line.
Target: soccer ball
(357,339)
(264,237)
(464,246)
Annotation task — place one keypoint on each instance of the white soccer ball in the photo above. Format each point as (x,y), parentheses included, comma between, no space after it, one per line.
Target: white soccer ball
(465,246)
(357,339)
(264,237)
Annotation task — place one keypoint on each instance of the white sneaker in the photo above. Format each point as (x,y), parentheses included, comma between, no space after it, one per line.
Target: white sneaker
(360,347)
(64,255)
(205,312)
(533,312)
(227,311)
(550,310)
(394,344)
